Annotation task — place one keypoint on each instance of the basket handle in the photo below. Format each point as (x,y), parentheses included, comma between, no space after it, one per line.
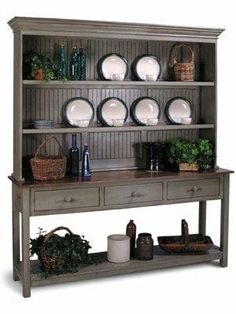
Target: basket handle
(173,54)
(45,142)
(185,233)
(49,234)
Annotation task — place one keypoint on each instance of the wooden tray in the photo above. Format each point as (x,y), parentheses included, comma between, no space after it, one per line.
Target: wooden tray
(185,243)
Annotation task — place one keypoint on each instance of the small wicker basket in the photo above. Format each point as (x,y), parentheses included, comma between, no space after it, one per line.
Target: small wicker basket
(185,166)
(183,71)
(48,167)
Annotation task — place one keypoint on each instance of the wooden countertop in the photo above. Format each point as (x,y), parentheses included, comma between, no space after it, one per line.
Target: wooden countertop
(119,176)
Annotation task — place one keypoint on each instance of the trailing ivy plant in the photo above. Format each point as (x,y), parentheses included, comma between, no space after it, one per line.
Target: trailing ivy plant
(71,249)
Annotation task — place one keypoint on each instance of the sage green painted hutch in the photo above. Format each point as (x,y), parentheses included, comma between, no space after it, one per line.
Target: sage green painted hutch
(116,152)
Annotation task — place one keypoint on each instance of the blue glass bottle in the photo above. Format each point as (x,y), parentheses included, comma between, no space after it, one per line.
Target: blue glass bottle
(62,64)
(74,157)
(82,64)
(86,171)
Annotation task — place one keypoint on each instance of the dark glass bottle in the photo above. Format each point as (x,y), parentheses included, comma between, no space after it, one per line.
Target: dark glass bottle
(74,65)
(74,157)
(82,64)
(145,246)
(86,171)
(62,65)
(131,232)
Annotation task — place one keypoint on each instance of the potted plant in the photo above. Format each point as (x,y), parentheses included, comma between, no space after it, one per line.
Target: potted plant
(206,154)
(185,154)
(42,68)
(60,254)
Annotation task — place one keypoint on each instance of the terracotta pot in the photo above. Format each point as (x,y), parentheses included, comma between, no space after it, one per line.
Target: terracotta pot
(185,166)
(39,75)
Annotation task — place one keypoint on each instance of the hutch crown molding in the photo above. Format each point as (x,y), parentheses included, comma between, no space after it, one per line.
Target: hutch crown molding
(112,148)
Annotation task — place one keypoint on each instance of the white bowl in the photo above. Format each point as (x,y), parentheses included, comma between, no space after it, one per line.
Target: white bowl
(116,76)
(117,122)
(152,121)
(83,123)
(186,120)
(150,78)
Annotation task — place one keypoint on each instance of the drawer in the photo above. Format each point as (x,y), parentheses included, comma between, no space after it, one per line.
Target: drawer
(66,199)
(193,188)
(131,194)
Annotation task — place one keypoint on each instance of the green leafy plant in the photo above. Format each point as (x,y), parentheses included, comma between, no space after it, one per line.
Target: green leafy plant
(71,250)
(41,62)
(206,154)
(182,151)
(201,152)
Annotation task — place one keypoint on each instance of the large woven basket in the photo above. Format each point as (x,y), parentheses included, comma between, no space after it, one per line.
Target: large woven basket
(185,243)
(50,263)
(183,71)
(48,167)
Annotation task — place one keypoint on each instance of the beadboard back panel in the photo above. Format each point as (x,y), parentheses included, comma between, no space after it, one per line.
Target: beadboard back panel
(113,150)
(96,48)
(108,150)
(43,103)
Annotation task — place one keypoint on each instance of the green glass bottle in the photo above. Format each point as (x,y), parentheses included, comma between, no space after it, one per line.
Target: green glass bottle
(74,65)
(62,65)
(82,64)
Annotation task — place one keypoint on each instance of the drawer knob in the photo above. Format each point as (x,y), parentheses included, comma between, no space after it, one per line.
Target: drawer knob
(68,199)
(135,194)
(195,188)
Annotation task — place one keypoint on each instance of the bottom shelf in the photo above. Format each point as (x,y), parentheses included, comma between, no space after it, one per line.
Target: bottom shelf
(161,260)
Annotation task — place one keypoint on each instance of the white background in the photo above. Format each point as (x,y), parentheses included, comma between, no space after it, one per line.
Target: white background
(192,289)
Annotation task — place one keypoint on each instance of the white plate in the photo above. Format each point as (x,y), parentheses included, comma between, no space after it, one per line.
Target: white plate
(177,109)
(145,111)
(146,68)
(112,112)
(77,109)
(112,67)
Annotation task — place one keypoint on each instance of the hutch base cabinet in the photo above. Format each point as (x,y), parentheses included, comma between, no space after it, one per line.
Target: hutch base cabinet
(118,180)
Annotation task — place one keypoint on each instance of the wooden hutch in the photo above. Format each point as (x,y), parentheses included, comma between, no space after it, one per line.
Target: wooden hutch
(111,148)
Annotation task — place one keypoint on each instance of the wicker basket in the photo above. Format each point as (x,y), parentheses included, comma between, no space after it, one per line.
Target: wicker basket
(185,166)
(53,262)
(185,243)
(48,167)
(183,71)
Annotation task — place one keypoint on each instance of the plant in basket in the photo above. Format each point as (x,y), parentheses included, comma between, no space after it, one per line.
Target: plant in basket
(60,254)
(42,68)
(185,154)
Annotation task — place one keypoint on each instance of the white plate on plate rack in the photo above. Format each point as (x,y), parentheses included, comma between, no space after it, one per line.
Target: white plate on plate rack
(78,112)
(145,111)
(112,67)
(112,112)
(178,110)
(146,68)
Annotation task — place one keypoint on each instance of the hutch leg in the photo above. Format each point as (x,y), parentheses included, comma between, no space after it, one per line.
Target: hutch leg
(15,235)
(224,222)
(202,217)
(26,271)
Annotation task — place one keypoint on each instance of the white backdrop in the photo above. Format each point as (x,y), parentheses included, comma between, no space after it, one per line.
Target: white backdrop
(189,289)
